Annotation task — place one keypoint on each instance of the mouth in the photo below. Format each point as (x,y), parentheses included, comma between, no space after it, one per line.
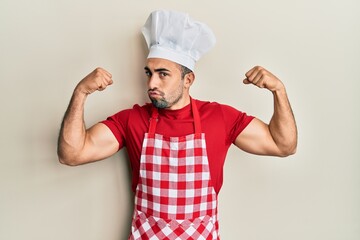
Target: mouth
(155,93)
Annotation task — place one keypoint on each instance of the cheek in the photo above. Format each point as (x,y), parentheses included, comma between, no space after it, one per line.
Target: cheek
(172,86)
(177,90)
(177,87)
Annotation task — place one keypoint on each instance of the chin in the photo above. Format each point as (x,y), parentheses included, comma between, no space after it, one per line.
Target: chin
(159,103)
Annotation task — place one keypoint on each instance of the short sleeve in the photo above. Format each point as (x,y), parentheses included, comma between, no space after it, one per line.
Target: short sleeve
(117,123)
(235,121)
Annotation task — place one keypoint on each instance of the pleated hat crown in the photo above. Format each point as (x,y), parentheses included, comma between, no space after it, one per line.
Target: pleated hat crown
(176,37)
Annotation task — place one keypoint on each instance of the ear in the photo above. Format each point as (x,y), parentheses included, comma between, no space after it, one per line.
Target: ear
(189,79)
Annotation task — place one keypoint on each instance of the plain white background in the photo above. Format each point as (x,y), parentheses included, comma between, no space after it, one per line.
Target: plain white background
(46,47)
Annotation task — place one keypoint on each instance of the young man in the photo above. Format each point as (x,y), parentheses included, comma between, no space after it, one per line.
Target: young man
(177,145)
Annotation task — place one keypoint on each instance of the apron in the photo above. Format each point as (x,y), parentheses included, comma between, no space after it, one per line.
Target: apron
(174,198)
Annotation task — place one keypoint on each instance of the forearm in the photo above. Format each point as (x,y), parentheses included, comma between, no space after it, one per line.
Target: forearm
(282,125)
(73,131)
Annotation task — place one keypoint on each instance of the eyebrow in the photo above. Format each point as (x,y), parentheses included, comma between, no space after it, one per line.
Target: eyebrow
(157,69)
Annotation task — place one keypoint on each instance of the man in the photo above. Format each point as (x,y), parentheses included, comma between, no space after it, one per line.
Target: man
(177,145)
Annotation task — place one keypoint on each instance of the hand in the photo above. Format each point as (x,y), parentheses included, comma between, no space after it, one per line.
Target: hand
(97,80)
(262,78)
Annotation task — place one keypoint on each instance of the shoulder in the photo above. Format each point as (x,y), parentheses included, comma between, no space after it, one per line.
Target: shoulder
(230,115)
(136,109)
(136,113)
(143,109)
(207,106)
(140,113)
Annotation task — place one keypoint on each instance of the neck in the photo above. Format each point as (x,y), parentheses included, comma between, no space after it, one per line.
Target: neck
(183,101)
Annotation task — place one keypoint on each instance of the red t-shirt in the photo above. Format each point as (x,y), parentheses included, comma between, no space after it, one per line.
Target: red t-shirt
(220,123)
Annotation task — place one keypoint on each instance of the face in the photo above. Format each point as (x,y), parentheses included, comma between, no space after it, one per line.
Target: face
(166,88)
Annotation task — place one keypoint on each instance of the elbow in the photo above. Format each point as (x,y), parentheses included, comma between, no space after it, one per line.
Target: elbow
(65,159)
(288,151)
(68,162)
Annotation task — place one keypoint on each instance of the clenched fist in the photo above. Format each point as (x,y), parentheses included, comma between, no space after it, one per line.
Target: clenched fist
(97,80)
(262,78)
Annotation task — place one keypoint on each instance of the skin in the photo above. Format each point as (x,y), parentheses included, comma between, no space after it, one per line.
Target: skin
(279,137)
(167,89)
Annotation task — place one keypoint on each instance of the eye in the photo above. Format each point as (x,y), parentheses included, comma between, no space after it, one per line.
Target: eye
(148,73)
(163,74)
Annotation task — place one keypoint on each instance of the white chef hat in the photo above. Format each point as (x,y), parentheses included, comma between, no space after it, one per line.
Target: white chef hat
(176,37)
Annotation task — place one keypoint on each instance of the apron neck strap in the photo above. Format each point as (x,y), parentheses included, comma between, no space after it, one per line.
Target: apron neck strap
(155,116)
(153,120)
(196,115)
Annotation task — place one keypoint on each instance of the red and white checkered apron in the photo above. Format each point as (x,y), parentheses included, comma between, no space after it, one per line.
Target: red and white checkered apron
(174,197)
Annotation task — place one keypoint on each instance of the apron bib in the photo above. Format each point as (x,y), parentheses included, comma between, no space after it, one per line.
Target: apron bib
(174,198)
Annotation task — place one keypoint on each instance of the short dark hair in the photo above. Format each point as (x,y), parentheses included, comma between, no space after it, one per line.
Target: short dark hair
(184,70)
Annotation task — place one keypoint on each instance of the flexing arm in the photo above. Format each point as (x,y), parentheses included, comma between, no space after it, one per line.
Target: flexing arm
(76,144)
(279,137)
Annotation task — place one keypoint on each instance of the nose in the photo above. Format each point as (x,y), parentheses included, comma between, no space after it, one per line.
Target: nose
(153,82)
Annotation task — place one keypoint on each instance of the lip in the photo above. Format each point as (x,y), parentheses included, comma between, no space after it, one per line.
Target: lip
(154,93)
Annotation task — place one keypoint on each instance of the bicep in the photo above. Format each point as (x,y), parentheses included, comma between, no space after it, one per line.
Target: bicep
(100,143)
(256,139)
